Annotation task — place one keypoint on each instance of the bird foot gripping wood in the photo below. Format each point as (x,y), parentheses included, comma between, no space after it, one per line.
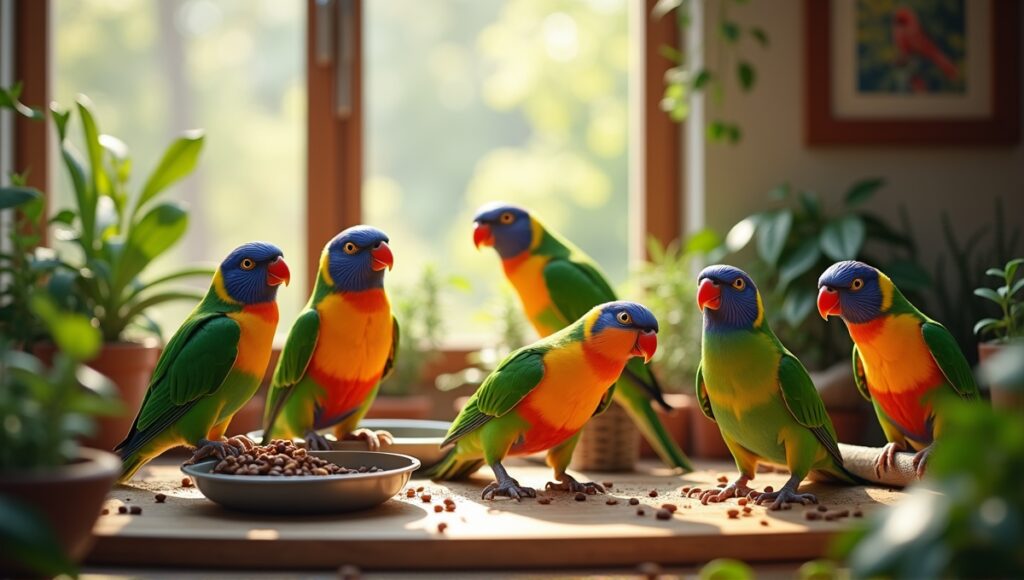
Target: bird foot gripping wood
(887,458)
(921,460)
(316,442)
(374,439)
(568,483)
(509,488)
(738,488)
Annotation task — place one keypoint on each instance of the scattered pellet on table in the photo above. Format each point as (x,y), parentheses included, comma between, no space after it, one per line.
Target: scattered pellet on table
(104,512)
(580,496)
(747,509)
(160,498)
(721,485)
(121,509)
(611,501)
(349,572)
(410,493)
(420,488)
(722,479)
(606,484)
(843,513)
(858,514)
(543,500)
(670,507)
(764,522)
(733,513)
(127,499)
(449,507)
(743,501)
(186,482)
(438,508)
(663,514)
(640,512)
(685,489)
(812,515)
(768,489)
(822,508)
(634,501)
(135,510)
(831,516)
(425,498)
(441,527)
(649,570)
(653,493)
(448,501)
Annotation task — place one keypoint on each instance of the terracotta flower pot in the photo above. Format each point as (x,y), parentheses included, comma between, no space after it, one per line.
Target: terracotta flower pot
(69,497)
(707,438)
(129,365)
(410,407)
(1003,397)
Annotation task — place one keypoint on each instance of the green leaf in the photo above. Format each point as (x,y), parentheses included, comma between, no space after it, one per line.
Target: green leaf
(862,191)
(64,216)
(10,99)
(760,36)
(155,232)
(810,203)
(989,294)
(772,233)
(798,262)
(702,78)
(671,53)
(1016,287)
(987,325)
(996,273)
(15,196)
(730,31)
(798,304)
(842,238)
(746,74)
(152,300)
(60,119)
(1011,268)
(73,333)
(178,161)
(100,181)
(703,241)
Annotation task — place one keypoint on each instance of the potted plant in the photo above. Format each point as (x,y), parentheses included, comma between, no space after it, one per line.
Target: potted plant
(45,476)
(667,284)
(418,311)
(110,239)
(1008,328)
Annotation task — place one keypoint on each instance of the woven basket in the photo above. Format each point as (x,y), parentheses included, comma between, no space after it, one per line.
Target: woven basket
(610,442)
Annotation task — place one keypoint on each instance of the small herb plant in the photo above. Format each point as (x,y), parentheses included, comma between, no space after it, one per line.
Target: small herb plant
(1010,325)
(115,236)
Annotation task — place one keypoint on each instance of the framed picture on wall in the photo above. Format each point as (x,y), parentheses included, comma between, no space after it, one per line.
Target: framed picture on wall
(912,72)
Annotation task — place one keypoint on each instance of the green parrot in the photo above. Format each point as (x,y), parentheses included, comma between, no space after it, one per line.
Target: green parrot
(758,393)
(557,283)
(541,395)
(213,364)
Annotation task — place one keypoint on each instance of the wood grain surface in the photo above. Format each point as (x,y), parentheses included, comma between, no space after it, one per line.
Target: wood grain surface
(402,534)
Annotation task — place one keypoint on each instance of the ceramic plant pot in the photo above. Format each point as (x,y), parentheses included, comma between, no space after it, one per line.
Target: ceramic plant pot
(69,497)
(676,422)
(1003,396)
(409,407)
(609,443)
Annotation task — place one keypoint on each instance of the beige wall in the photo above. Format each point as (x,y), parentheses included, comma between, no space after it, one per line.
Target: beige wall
(962,180)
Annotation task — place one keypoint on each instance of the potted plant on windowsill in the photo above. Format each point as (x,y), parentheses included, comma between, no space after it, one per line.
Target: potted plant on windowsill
(47,481)
(1007,329)
(109,239)
(418,311)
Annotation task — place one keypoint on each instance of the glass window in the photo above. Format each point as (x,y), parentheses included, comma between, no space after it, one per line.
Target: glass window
(234,68)
(473,101)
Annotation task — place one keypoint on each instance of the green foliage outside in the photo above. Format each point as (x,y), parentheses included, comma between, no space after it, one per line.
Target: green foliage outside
(1010,325)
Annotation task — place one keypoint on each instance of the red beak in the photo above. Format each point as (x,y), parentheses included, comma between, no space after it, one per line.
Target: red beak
(646,344)
(382,257)
(828,303)
(482,235)
(709,295)
(277,272)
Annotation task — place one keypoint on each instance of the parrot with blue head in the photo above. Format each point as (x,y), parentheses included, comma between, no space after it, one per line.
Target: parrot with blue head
(557,284)
(901,358)
(213,364)
(340,347)
(758,393)
(541,395)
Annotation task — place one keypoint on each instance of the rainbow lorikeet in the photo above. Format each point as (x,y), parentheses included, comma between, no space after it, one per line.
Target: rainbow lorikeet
(759,393)
(213,364)
(901,358)
(541,395)
(557,283)
(339,348)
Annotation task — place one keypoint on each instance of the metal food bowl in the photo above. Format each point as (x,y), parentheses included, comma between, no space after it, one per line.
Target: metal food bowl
(309,494)
(413,437)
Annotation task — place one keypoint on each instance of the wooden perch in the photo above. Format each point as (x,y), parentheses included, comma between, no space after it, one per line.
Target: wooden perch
(861,461)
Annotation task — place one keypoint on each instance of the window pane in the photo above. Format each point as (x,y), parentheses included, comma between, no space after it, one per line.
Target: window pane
(471,101)
(234,68)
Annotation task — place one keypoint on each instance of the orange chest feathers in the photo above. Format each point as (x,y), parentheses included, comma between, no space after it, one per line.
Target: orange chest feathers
(356,332)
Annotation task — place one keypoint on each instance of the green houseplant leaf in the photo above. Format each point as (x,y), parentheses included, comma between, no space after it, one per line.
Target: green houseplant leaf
(158,230)
(799,261)
(841,239)
(772,232)
(862,191)
(178,161)
(16,196)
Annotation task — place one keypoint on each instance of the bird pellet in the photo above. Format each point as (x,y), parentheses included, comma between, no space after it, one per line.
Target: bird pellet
(283,458)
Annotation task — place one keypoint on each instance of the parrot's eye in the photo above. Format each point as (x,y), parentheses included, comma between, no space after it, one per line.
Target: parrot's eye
(624,318)
(507,218)
(350,248)
(739,284)
(247,264)
(857,284)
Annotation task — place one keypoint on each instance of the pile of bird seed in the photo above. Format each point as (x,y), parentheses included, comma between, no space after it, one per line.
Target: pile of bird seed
(282,458)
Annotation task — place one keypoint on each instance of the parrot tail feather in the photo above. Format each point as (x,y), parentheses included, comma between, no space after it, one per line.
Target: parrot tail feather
(839,474)
(452,467)
(129,465)
(646,419)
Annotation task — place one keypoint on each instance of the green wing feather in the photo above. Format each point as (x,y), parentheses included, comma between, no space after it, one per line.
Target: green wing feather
(951,361)
(859,378)
(805,405)
(606,401)
(575,287)
(194,365)
(500,392)
(292,363)
(702,394)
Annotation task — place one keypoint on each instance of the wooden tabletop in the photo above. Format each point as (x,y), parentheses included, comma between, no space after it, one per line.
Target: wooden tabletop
(188,530)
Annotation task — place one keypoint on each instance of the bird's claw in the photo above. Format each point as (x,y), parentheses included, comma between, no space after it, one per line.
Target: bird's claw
(887,458)
(317,442)
(510,489)
(784,496)
(218,449)
(374,439)
(920,461)
(734,489)
(569,484)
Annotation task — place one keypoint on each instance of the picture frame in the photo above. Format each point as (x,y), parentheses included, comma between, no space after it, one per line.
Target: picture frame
(877,72)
